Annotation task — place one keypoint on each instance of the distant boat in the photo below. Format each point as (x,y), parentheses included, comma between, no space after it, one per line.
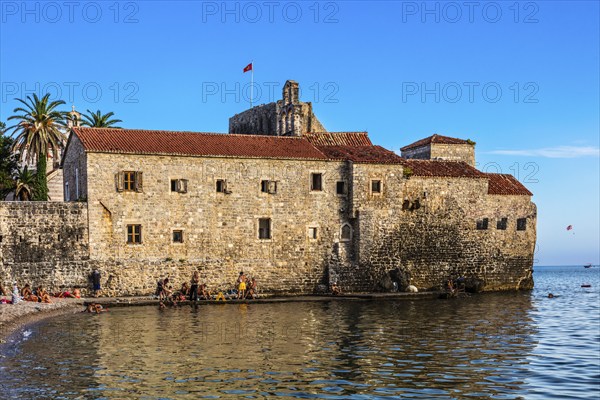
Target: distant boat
(585,285)
(587,266)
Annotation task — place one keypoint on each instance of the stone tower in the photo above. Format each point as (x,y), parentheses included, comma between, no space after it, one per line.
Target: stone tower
(286,117)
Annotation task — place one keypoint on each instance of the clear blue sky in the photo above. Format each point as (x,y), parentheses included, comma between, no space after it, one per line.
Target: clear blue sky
(521,80)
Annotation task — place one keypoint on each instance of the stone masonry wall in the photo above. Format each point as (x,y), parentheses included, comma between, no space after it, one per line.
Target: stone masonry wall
(75,171)
(429,230)
(220,230)
(454,152)
(44,243)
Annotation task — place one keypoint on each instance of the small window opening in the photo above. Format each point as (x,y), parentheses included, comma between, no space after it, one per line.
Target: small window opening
(134,234)
(178,236)
(501,224)
(376,186)
(340,187)
(482,224)
(221,186)
(346,232)
(316,182)
(264,228)
(312,232)
(173,185)
(521,224)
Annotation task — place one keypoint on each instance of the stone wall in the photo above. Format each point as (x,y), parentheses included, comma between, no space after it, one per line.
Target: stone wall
(75,171)
(437,151)
(286,117)
(44,243)
(220,230)
(429,230)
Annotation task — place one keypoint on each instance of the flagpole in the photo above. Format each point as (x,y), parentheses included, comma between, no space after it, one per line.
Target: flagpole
(251,82)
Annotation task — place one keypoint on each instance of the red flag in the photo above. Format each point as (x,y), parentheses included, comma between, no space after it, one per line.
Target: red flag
(248,67)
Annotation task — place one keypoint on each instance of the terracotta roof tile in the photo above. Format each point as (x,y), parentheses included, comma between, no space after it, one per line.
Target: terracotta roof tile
(439,139)
(449,169)
(339,138)
(506,184)
(361,154)
(138,141)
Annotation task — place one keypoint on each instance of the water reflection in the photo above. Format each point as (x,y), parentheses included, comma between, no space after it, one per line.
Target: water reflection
(445,349)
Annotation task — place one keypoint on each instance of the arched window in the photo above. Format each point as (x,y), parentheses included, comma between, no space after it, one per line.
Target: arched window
(346,233)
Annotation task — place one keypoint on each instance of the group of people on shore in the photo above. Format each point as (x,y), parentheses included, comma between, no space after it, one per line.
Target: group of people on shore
(36,295)
(194,290)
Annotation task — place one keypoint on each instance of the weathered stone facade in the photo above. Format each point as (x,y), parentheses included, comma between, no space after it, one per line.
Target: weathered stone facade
(286,117)
(204,202)
(44,243)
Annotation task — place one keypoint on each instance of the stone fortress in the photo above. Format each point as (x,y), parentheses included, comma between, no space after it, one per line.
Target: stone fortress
(278,197)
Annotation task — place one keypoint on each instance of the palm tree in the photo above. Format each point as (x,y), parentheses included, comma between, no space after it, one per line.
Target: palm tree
(39,130)
(25,185)
(98,120)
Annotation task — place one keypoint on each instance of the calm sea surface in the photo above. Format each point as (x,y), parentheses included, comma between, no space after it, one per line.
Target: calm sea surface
(501,346)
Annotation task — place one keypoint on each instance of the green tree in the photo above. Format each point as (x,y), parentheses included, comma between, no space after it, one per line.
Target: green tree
(39,130)
(99,120)
(8,163)
(25,185)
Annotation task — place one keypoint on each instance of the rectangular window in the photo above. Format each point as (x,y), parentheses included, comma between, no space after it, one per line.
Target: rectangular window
(312,232)
(340,187)
(482,224)
(134,234)
(376,186)
(179,185)
(501,224)
(129,181)
(521,224)
(178,236)
(67,194)
(221,186)
(267,186)
(316,182)
(264,228)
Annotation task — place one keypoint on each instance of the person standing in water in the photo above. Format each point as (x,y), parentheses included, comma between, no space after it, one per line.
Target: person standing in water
(194,286)
(241,285)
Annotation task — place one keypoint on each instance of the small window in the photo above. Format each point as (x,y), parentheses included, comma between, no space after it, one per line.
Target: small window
(129,181)
(312,232)
(316,182)
(134,234)
(267,186)
(346,232)
(67,194)
(179,185)
(482,224)
(264,228)
(178,236)
(376,186)
(340,187)
(221,186)
(501,224)
(521,224)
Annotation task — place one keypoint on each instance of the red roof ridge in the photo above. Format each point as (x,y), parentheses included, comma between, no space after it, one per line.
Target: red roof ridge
(193,132)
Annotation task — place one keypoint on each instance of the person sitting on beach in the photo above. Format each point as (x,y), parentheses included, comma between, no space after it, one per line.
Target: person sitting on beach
(206,295)
(43,296)
(252,289)
(185,289)
(3,291)
(16,297)
(27,294)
